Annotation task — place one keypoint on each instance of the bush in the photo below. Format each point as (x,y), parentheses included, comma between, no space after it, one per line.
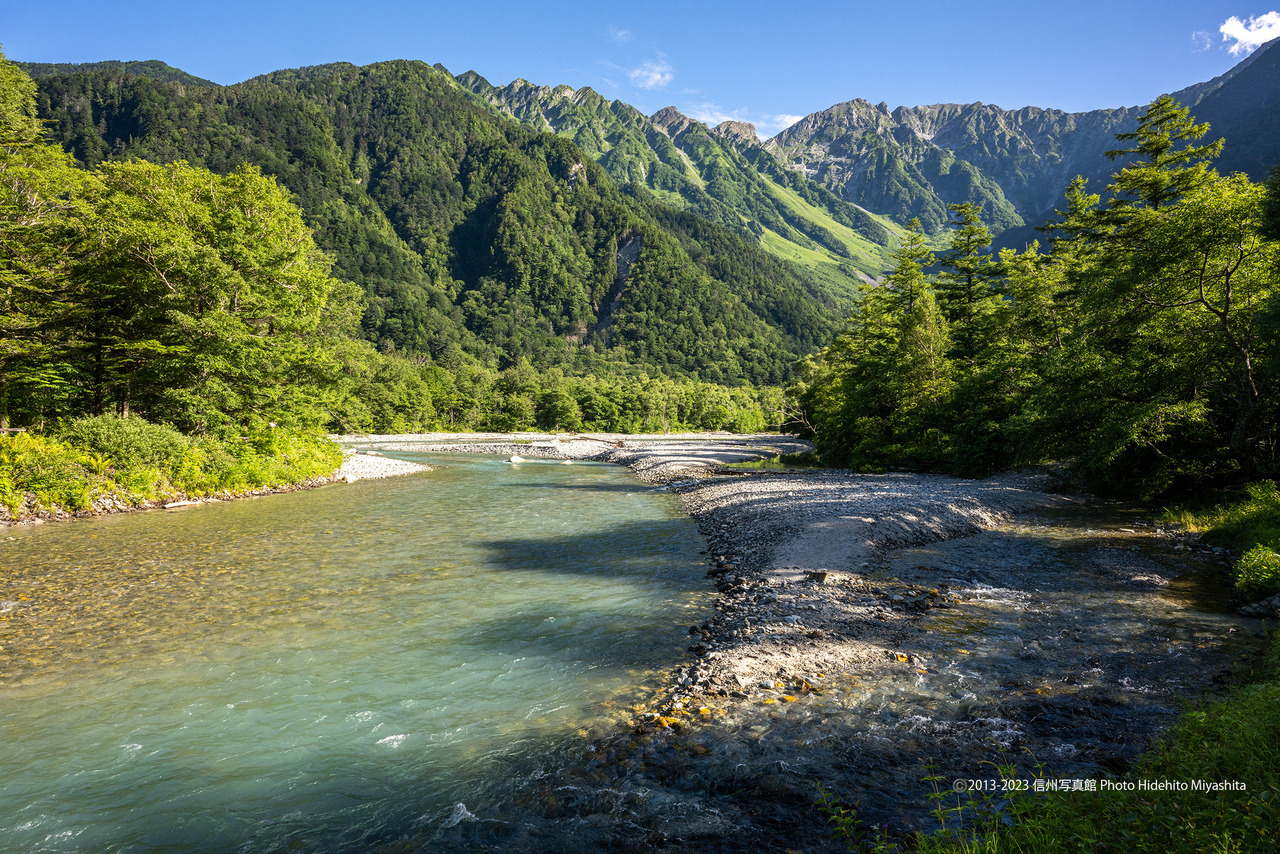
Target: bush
(55,473)
(128,442)
(1258,573)
(138,461)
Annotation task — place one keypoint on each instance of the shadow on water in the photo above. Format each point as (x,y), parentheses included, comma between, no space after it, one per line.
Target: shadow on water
(623,545)
(1063,648)
(593,487)
(331,670)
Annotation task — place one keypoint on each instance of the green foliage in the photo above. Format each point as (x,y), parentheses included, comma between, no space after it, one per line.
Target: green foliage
(1246,524)
(469,237)
(55,474)
(1144,346)
(1251,519)
(1167,165)
(127,442)
(1270,226)
(847,828)
(152,68)
(879,397)
(1257,573)
(134,461)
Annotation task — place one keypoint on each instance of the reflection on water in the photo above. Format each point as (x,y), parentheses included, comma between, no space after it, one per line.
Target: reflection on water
(327,669)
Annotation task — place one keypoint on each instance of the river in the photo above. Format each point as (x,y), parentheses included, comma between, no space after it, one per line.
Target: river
(335,669)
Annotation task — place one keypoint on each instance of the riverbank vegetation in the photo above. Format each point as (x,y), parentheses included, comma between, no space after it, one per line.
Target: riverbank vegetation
(104,462)
(1249,524)
(1143,346)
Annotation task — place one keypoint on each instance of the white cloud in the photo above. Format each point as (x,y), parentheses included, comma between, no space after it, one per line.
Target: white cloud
(617,34)
(652,74)
(767,124)
(785,120)
(1201,41)
(1250,33)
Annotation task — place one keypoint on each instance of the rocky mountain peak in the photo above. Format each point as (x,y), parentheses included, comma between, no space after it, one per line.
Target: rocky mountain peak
(744,131)
(671,121)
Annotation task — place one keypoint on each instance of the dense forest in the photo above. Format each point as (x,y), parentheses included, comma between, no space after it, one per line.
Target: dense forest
(198,298)
(470,235)
(1144,344)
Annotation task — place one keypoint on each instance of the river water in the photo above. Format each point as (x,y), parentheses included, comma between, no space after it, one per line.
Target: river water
(335,669)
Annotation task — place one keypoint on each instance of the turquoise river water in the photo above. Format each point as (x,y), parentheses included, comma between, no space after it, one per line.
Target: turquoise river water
(335,669)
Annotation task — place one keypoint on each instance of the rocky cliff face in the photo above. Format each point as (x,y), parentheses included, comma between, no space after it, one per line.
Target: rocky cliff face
(913,161)
(738,131)
(722,174)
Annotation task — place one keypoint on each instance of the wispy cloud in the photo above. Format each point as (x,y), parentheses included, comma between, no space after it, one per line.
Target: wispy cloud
(767,124)
(652,74)
(1251,33)
(617,34)
(1201,41)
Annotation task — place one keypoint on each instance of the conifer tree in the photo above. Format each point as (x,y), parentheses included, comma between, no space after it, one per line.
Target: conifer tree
(907,280)
(965,286)
(1166,165)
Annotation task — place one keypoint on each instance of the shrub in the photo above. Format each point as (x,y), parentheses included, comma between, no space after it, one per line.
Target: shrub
(58,475)
(128,442)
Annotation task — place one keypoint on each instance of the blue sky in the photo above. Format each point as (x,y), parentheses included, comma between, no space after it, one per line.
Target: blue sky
(765,62)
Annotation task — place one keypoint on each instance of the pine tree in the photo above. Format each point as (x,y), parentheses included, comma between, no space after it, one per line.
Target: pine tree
(1167,165)
(965,286)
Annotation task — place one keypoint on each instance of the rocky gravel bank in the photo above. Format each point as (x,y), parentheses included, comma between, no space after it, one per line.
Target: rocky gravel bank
(873,631)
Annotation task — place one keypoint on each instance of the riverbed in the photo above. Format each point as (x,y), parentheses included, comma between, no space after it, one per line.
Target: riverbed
(882,637)
(879,636)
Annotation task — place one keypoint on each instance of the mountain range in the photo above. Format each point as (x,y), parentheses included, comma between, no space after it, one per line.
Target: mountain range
(553,223)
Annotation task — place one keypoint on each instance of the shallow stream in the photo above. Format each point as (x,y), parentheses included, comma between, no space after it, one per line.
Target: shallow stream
(335,669)
(442,662)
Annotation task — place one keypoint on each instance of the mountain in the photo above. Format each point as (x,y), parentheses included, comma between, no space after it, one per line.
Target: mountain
(825,198)
(466,230)
(1245,109)
(723,174)
(913,161)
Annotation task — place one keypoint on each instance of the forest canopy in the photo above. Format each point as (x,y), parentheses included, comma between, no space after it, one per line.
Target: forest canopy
(197,297)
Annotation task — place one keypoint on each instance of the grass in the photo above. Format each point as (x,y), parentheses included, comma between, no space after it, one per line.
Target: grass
(1236,521)
(1247,523)
(134,461)
(869,257)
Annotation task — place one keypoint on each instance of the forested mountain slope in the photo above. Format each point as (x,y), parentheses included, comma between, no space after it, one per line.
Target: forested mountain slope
(466,231)
(824,197)
(723,174)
